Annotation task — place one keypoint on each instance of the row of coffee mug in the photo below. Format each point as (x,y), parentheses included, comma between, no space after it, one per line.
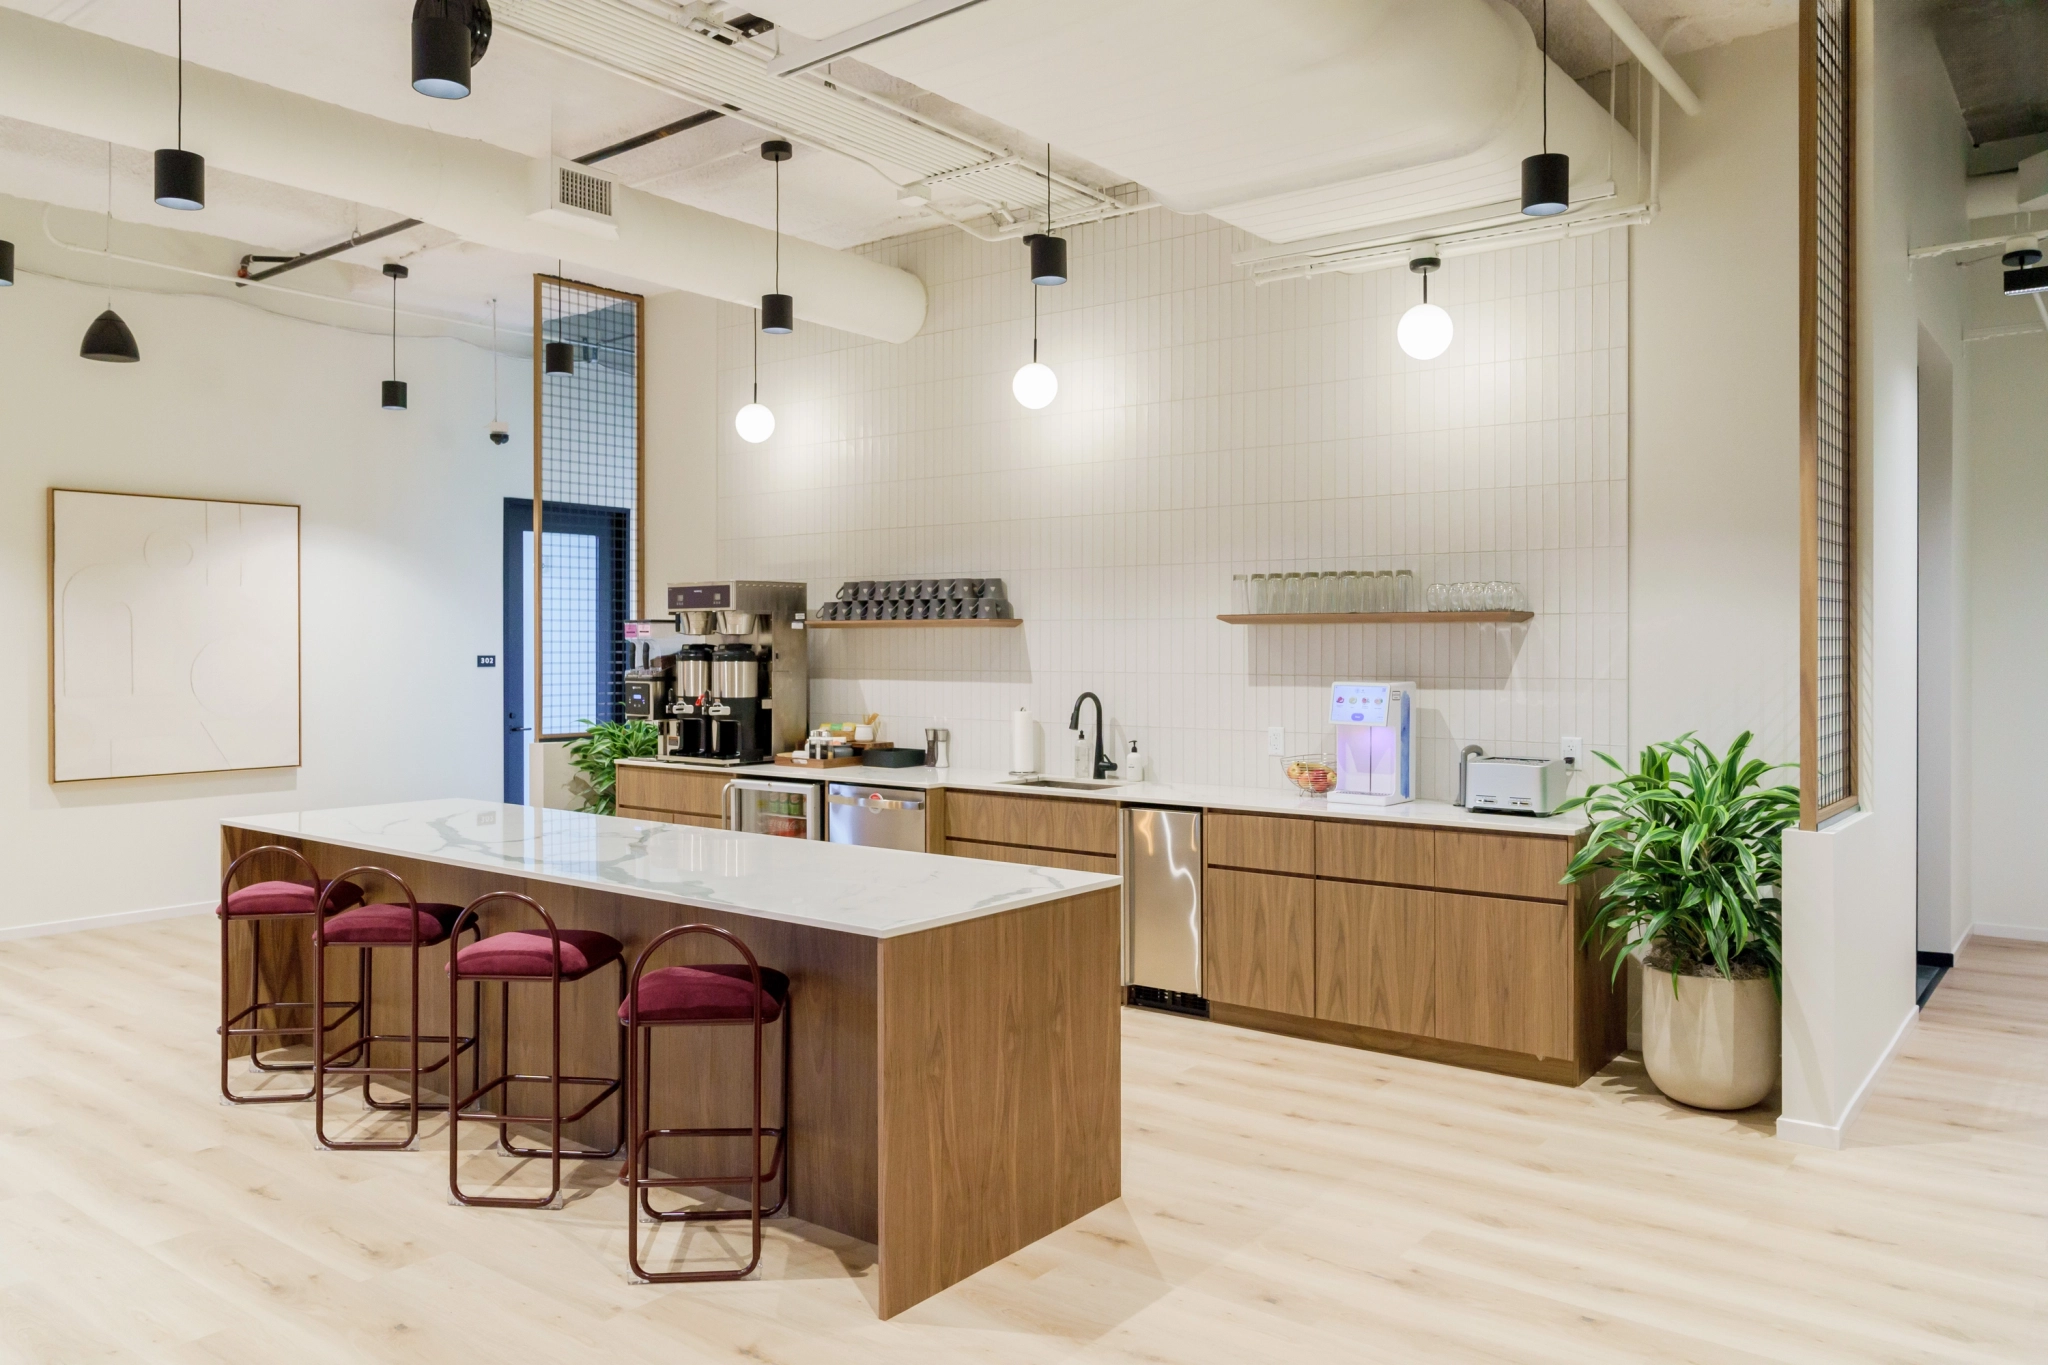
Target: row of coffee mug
(919,589)
(918,599)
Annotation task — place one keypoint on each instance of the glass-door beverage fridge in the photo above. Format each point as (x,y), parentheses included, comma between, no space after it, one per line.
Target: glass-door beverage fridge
(789,810)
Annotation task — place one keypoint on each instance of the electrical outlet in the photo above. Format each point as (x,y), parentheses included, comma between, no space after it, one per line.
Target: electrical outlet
(1572,750)
(1276,740)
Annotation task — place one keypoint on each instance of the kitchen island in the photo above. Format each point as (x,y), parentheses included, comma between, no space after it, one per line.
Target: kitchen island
(954,1023)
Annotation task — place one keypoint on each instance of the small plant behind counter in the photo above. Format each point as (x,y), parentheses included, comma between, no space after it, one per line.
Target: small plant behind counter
(1689,848)
(594,754)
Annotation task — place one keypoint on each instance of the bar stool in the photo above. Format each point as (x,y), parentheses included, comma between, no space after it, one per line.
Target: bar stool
(552,956)
(719,993)
(412,925)
(256,905)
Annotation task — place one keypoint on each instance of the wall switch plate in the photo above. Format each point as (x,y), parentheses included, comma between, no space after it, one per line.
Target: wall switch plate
(1572,750)
(486,661)
(1276,740)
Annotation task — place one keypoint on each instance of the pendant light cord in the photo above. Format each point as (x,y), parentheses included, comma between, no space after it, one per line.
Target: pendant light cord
(778,227)
(1546,76)
(107,241)
(757,355)
(394,327)
(181,75)
(1048,175)
(494,360)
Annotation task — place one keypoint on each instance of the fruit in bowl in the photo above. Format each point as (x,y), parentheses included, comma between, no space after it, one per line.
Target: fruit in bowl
(1315,774)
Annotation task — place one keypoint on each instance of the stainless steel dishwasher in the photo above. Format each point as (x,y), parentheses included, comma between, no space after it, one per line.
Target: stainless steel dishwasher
(1163,909)
(877,817)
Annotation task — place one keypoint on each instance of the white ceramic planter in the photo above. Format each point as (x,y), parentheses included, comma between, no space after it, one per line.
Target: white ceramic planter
(1713,1044)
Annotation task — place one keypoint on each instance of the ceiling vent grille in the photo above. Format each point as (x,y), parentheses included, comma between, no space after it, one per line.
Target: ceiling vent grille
(572,195)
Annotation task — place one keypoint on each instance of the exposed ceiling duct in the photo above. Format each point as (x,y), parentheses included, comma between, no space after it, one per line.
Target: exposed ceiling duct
(62,77)
(1293,119)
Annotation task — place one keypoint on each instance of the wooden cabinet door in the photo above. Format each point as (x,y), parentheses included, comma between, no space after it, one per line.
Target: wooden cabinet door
(1503,974)
(1376,952)
(1258,941)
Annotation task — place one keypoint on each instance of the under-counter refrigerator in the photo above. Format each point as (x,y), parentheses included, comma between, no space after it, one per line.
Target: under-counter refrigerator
(1163,908)
(792,810)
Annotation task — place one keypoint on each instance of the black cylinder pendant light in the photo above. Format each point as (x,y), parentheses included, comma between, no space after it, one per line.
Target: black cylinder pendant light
(394,387)
(180,175)
(108,338)
(1547,176)
(6,264)
(778,310)
(448,38)
(1048,253)
(558,357)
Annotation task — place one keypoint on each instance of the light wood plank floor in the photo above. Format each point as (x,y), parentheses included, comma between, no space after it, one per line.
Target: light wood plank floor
(1283,1201)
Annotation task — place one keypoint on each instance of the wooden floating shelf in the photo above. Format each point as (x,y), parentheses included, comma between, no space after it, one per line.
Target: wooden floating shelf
(972,623)
(1373,618)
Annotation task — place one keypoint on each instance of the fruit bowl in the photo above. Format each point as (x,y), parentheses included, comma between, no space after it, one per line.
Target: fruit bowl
(1315,774)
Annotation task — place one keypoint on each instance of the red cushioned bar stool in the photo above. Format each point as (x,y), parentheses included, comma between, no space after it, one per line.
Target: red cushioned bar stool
(717,993)
(411,924)
(548,956)
(256,905)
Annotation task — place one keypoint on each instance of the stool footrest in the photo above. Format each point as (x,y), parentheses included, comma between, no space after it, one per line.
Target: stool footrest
(610,1087)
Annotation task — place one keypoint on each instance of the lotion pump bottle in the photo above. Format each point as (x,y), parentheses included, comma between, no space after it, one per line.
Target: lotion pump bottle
(1134,764)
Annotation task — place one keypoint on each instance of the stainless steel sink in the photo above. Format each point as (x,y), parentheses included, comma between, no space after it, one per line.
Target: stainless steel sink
(1073,784)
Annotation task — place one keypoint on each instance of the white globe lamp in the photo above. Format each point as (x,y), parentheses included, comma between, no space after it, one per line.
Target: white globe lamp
(1424,330)
(754,423)
(1035,385)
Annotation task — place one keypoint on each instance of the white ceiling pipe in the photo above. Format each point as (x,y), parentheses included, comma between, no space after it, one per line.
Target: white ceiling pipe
(1638,42)
(65,78)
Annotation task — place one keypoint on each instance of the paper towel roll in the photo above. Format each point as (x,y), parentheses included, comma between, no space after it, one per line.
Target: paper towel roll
(1023,742)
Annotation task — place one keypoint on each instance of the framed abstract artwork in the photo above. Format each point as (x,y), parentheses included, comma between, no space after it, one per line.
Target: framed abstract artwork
(174,635)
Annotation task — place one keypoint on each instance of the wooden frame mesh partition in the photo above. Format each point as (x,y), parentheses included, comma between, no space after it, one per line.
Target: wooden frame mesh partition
(1827,436)
(589,445)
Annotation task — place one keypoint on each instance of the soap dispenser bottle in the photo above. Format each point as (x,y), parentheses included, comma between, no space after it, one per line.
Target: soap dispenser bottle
(1134,764)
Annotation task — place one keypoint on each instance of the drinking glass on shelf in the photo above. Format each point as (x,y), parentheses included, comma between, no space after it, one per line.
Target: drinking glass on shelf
(1518,598)
(1383,590)
(1290,593)
(1311,593)
(1438,598)
(1240,594)
(1347,592)
(1404,590)
(1498,596)
(1262,592)
(1330,594)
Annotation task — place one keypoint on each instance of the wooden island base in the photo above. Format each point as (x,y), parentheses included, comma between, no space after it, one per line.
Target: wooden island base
(955,1090)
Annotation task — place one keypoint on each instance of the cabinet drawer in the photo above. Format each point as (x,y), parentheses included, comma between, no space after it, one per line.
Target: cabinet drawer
(1258,941)
(1032,857)
(1267,843)
(1501,864)
(1504,974)
(671,817)
(676,789)
(1376,950)
(1363,851)
(1032,822)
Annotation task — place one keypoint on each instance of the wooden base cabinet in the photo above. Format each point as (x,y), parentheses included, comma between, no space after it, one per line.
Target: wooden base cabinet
(1376,956)
(1259,940)
(1504,974)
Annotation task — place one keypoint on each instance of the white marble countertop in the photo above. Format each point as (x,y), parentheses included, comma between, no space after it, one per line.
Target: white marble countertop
(875,892)
(1250,799)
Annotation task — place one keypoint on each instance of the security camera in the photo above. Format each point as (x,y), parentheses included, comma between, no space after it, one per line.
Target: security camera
(500,433)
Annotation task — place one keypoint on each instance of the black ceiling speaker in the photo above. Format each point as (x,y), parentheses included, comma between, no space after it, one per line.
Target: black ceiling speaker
(778,310)
(6,263)
(1048,253)
(109,339)
(1547,176)
(180,175)
(394,387)
(448,38)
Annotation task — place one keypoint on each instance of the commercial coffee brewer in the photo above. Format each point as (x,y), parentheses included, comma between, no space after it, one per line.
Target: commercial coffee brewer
(735,685)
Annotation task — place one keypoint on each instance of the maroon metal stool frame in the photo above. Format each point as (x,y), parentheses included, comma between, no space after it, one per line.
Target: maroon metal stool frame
(327,1064)
(231,1026)
(639,1098)
(461,1113)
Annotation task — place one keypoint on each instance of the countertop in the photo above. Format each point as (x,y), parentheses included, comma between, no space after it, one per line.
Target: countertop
(1249,799)
(874,892)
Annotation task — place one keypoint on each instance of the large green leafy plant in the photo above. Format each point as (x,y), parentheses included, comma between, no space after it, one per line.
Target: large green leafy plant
(594,754)
(1689,844)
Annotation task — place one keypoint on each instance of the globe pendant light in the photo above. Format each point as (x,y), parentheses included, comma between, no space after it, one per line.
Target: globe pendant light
(558,357)
(394,387)
(1035,385)
(1547,177)
(1425,330)
(108,338)
(448,38)
(778,310)
(180,175)
(6,264)
(754,422)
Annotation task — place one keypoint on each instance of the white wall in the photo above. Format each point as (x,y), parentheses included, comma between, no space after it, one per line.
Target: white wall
(1205,426)
(1850,889)
(1714,361)
(402,518)
(680,463)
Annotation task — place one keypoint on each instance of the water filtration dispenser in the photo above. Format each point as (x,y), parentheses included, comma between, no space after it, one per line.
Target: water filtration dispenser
(1375,743)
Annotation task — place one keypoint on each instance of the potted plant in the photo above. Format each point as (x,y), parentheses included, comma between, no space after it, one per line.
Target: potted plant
(602,745)
(1688,848)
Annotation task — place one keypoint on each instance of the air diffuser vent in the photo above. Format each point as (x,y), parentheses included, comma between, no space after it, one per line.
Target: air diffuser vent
(576,196)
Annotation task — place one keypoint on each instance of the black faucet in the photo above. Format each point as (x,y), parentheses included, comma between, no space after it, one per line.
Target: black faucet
(1103,767)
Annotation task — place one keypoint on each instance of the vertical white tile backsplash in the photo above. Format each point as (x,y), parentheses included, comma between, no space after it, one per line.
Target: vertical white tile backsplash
(1205,426)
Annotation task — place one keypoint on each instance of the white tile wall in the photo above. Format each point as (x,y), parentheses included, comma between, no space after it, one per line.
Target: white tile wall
(1205,426)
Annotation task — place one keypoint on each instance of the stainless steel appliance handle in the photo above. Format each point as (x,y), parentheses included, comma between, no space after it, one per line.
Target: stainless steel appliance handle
(874,803)
(730,799)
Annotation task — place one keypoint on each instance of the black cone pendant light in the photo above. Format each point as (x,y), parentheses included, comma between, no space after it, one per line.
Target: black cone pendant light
(394,387)
(108,338)
(778,310)
(448,38)
(180,175)
(1546,177)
